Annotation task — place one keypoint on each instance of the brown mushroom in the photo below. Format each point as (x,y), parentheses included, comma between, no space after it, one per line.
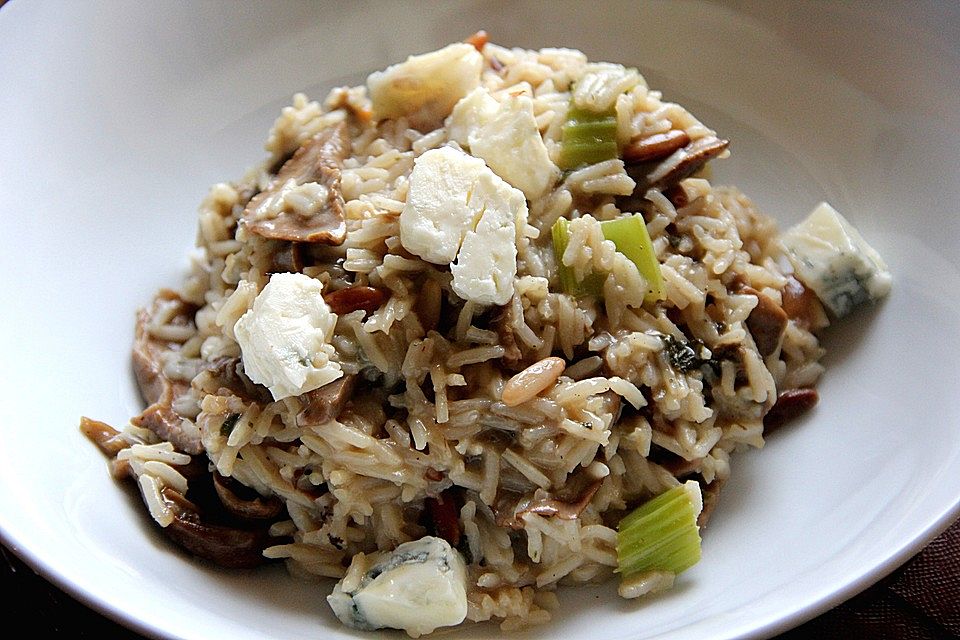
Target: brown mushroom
(443,516)
(510,512)
(789,405)
(655,147)
(318,160)
(227,375)
(244,502)
(103,435)
(325,404)
(766,322)
(228,546)
(288,258)
(802,306)
(711,496)
(680,164)
(159,391)
(355,298)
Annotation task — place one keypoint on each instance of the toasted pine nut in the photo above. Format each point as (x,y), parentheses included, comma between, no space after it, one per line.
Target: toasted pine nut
(532,380)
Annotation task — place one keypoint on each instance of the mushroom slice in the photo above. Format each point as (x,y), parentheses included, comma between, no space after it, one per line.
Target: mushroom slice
(244,502)
(680,164)
(790,404)
(288,258)
(344,301)
(159,391)
(317,162)
(655,147)
(766,322)
(542,504)
(325,404)
(103,435)
(227,546)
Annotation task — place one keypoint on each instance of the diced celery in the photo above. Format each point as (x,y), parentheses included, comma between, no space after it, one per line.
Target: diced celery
(561,237)
(629,235)
(587,138)
(661,534)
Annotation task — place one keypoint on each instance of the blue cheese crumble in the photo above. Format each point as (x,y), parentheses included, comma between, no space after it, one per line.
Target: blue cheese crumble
(831,257)
(418,587)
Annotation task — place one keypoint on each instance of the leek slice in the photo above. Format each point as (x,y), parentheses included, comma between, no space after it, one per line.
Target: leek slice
(587,138)
(629,234)
(662,534)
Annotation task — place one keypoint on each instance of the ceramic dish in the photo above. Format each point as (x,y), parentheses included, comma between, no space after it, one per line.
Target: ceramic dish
(117,117)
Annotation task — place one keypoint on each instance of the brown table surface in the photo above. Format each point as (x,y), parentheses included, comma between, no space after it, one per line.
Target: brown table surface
(919,601)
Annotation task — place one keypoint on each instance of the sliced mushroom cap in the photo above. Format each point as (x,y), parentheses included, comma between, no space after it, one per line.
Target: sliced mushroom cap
(790,404)
(227,374)
(355,298)
(288,258)
(766,322)
(318,160)
(510,512)
(803,306)
(244,502)
(103,435)
(160,392)
(682,163)
(325,404)
(655,147)
(227,546)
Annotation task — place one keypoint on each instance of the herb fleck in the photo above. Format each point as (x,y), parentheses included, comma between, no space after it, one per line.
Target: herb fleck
(228,424)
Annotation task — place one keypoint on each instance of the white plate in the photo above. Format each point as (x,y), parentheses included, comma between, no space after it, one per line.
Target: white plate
(116,118)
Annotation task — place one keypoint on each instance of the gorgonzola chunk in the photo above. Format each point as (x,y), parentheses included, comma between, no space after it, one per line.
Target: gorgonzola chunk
(831,257)
(420,586)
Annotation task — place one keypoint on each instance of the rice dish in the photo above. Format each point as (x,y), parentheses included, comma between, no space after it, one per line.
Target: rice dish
(422,321)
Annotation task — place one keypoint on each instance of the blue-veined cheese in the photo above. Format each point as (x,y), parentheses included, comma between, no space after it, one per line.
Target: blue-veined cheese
(459,212)
(285,337)
(420,586)
(831,257)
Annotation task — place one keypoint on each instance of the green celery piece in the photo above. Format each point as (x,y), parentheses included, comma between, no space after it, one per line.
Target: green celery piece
(561,237)
(661,534)
(629,234)
(587,138)
(591,131)
(576,154)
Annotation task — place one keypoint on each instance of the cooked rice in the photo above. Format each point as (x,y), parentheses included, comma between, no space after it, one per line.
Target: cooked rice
(437,373)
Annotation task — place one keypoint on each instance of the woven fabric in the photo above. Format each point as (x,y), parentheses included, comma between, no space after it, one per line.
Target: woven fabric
(919,601)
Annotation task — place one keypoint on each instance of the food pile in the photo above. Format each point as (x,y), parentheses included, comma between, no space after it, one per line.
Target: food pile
(477,328)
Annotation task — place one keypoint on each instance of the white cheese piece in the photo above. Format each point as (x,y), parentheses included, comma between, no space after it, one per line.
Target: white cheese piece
(425,87)
(474,110)
(831,257)
(461,213)
(437,214)
(420,586)
(510,143)
(285,337)
(487,262)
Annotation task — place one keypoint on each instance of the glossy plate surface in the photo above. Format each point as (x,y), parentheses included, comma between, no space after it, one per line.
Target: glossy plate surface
(117,117)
